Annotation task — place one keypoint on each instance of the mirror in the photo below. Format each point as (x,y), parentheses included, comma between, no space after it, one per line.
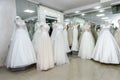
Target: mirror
(28,12)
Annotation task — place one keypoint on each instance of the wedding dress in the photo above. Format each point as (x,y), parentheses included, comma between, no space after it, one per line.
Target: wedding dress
(75,38)
(60,56)
(117,36)
(21,52)
(36,36)
(66,40)
(106,49)
(70,35)
(87,43)
(43,47)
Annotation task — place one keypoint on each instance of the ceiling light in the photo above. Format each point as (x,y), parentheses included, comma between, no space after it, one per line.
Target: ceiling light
(102,10)
(83,14)
(29,11)
(97,7)
(67,20)
(104,18)
(77,12)
(99,15)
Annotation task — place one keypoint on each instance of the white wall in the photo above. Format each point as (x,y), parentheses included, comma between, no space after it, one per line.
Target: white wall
(43,11)
(7,16)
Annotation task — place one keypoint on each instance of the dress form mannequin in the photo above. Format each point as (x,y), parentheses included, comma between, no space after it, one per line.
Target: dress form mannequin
(21,52)
(87,42)
(106,49)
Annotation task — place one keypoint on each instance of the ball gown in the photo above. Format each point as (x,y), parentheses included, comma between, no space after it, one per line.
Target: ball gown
(60,55)
(75,38)
(43,47)
(21,51)
(106,49)
(87,43)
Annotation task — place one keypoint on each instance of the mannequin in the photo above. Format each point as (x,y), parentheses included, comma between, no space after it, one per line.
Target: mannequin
(106,49)
(87,42)
(75,39)
(21,52)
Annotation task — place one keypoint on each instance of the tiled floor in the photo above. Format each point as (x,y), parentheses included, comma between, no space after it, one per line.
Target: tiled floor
(78,69)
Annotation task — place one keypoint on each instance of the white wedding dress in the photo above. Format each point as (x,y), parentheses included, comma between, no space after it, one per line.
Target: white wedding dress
(70,35)
(106,49)
(75,38)
(87,43)
(21,52)
(43,47)
(66,40)
(117,36)
(36,36)
(60,55)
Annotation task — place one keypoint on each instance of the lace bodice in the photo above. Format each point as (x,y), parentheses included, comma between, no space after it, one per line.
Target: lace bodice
(37,26)
(20,24)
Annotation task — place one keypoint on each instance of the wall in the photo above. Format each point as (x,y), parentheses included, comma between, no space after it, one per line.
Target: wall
(44,11)
(7,16)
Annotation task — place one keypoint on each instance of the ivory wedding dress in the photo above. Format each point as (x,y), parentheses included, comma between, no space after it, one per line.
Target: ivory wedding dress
(43,47)
(87,43)
(75,38)
(66,40)
(60,56)
(106,49)
(21,52)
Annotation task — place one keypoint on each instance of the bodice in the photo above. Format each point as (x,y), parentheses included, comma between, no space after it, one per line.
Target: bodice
(20,24)
(44,27)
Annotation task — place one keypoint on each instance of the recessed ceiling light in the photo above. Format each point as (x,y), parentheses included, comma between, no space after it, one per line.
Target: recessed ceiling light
(101,10)
(97,7)
(105,18)
(99,15)
(77,12)
(83,14)
(29,11)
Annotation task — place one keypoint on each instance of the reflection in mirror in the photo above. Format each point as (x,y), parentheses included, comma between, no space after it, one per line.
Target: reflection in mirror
(28,12)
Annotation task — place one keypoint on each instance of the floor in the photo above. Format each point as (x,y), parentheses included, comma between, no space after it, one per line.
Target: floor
(78,69)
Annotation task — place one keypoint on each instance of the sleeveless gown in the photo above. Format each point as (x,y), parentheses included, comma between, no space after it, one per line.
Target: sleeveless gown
(106,49)
(21,52)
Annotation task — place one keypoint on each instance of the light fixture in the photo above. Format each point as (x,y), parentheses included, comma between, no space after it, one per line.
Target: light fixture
(77,12)
(101,10)
(67,20)
(105,18)
(29,11)
(97,7)
(83,14)
(99,15)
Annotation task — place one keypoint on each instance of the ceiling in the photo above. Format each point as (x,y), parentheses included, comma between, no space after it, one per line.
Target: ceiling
(64,5)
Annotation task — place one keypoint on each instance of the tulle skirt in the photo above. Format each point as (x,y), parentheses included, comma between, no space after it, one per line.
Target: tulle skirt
(117,36)
(60,56)
(21,52)
(106,49)
(66,41)
(75,40)
(86,45)
(43,48)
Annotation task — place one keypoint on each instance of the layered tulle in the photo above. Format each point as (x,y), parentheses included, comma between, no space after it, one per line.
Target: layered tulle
(21,52)
(87,44)
(106,49)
